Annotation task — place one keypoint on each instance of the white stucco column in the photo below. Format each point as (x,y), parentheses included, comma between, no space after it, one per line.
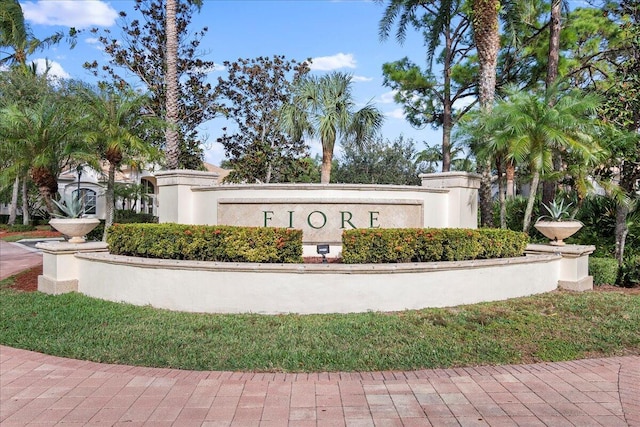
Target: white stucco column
(574,267)
(60,266)
(175,198)
(462,206)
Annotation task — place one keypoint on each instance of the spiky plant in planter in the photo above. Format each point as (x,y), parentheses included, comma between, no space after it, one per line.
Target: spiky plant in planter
(559,224)
(69,219)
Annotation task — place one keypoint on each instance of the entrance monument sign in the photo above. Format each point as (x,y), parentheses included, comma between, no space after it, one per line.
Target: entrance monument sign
(322,212)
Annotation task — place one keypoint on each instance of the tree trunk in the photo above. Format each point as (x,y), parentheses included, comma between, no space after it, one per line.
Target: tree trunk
(486,201)
(535,180)
(172,148)
(13,208)
(487,37)
(26,217)
(622,210)
(447,108)
(110,200)
(511,174)
(501,193)
(47,185)
(553,58)
(550,188)
(325,174)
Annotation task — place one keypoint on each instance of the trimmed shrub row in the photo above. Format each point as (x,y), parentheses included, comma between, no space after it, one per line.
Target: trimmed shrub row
(429,245)
(206,243)
(603,270)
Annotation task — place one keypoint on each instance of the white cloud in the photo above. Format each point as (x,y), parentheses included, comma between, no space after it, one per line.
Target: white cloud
(92,40)
(70,13)
(398,113)
(361,78)
(55,69)
(387,97)
(339,60)
(213,69)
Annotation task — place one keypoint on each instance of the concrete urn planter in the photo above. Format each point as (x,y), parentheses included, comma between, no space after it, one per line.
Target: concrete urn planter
(557,231)
(75,228)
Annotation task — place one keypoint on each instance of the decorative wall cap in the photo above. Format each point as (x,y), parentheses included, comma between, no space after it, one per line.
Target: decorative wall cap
(59,248)
(566,250)
(323,187)
(398,268)
(451,180)
(186,177)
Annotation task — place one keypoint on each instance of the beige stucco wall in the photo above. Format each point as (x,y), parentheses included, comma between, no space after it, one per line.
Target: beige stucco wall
(311,288)
(321,211)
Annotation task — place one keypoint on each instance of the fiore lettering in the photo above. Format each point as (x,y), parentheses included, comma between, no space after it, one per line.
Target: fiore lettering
(317,219)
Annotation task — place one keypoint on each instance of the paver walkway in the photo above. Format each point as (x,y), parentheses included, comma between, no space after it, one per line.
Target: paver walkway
(15,258)
(44,390)
(41,390)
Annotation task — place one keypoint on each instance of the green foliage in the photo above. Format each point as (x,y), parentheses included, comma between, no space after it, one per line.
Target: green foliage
(254,92)
(140,51)
(378,162)
(603,270)
(206,243)
(127,216)
(20,228)
(325,108)
(429,245)
(70,207)
(557,211)
(629,273)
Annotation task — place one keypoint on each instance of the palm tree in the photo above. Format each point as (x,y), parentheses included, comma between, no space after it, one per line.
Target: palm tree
(487,37)
(324,107)
(45,137)
(115,117)
(528,128)
(16,35)
(172,138)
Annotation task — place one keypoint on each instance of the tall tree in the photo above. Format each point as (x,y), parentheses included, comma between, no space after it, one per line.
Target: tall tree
(48,135)
(116,118)
(324,107)
(529,127)
(487,39)
(252,95)
(171,132)
(16,36)
(141,50)
(621,112)
(427,98)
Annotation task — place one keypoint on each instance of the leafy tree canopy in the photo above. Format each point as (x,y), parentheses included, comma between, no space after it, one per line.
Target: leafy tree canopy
(139,51)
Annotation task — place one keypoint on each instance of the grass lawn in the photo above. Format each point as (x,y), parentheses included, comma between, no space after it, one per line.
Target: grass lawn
(551,327)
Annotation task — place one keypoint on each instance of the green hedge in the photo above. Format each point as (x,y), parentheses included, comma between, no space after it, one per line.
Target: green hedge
(429,244)
(206,243)
(603,270)
(629,273)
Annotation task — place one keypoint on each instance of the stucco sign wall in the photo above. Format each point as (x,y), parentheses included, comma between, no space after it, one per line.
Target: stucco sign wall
(321,211)
(321,221)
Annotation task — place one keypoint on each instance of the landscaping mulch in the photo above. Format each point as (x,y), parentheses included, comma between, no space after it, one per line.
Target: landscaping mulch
(30,234)
(27,281)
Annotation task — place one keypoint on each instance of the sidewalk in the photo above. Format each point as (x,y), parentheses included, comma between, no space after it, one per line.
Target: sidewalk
(15,258)
(46,390)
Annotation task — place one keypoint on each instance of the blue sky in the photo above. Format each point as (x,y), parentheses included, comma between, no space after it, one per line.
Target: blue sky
(338,35)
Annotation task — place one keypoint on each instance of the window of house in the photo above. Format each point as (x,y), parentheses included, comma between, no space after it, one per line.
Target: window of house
(88,197)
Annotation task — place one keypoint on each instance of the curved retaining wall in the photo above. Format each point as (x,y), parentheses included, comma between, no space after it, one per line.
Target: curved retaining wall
(199,286)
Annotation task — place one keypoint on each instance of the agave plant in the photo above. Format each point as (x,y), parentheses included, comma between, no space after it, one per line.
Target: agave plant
(557,211)
(69,207)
